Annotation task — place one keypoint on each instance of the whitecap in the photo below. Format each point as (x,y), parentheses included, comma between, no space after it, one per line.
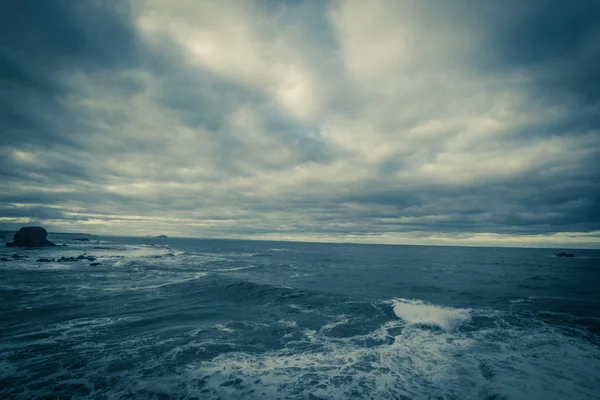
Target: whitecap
(416,312)
(236,268)
(519,301)
(223,328)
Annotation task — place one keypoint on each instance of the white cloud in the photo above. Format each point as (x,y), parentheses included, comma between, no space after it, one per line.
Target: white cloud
(248,45)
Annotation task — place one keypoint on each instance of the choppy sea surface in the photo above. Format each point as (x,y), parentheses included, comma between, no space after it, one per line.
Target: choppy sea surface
(225,319)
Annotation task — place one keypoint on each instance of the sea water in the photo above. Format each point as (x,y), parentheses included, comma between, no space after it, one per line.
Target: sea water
(225,319)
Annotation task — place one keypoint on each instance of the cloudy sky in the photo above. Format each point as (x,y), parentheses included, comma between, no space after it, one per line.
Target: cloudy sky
(442,122)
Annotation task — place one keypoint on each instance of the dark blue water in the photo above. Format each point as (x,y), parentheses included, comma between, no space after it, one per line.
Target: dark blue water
(219,319)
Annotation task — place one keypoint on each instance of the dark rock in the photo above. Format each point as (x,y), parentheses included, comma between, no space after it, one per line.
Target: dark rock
(563,254)
(75,259)
(95,264)
(3,259)
(162,237)
(17,257)
(31,236)
(44,260)
(82,240)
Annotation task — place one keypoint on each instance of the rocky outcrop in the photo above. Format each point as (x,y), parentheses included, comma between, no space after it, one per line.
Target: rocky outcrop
(563,254)
(74,259)
(67,259)
(31,236)
(162,237)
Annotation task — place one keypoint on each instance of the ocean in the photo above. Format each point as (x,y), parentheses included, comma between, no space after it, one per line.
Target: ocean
(229,319)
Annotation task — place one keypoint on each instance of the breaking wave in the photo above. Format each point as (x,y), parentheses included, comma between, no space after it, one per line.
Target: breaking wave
(416,312)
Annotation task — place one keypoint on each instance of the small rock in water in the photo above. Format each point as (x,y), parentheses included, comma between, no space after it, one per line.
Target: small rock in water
(44,260)
(78,258)
(563,254)
(3,259)
(17,257)
(82,239)
(95,264)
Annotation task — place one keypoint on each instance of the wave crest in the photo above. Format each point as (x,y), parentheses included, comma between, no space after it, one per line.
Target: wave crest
(416,312)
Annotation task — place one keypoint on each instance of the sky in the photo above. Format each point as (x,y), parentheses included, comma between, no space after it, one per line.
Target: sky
(415,122)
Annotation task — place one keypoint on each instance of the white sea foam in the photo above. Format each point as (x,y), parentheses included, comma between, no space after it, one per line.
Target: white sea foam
(519,301)
(409,363)
(233,269)
(300,309)
(416,312)
(343,319)
(146,284)
(342,368)
(223,328)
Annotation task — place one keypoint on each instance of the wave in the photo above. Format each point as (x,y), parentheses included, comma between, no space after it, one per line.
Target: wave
(416,312)
(150,283)
(233,269)
(290,355)
(390,361)
(248,290)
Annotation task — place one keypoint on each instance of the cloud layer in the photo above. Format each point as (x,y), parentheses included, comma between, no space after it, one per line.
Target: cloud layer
(384,121)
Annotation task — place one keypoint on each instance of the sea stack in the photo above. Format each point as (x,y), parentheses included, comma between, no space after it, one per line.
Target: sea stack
(31,236)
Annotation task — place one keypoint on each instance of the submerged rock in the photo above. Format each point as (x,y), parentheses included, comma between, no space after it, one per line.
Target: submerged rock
(78,258)
(563,254)
(3,259)
(82,239)
(44,260)
(17,257)
(31,236)
(162,237)
(94,264)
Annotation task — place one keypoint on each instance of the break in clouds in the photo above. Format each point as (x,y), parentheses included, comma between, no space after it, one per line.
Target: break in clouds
(384,121)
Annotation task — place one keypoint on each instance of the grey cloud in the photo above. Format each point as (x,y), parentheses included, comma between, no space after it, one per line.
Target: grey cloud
(66,35)
(113,127)
(41,45)
(557,41)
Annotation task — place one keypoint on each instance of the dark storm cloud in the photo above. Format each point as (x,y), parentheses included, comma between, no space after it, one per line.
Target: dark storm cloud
(558,40)
(41,45)
(65,34)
